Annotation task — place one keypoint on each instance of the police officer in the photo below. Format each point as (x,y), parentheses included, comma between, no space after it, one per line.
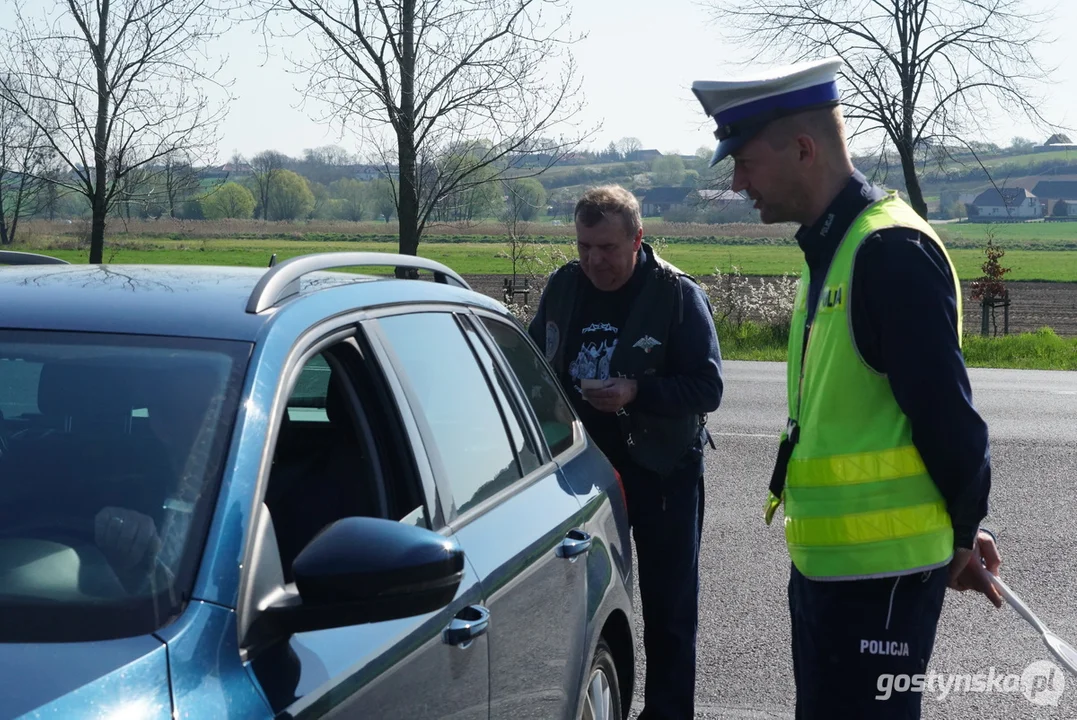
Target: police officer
(884,466)
(632,340)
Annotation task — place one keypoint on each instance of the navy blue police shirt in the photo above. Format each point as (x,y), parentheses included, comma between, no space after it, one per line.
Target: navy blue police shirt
(690,384)
(904,318)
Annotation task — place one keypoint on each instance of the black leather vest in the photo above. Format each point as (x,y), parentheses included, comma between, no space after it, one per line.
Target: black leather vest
(654,442)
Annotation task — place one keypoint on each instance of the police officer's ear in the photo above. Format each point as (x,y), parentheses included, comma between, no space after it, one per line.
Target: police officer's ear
(807,149)
(796,139)
(819,137)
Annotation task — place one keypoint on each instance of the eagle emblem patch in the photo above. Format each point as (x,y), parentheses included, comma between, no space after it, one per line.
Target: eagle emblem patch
(553,337)
(647,343)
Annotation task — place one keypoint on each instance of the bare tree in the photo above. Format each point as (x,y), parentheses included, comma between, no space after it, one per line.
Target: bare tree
(135,186)
(628,146)
(52,190)
(114,86)
(524,199)
(237,161)
(179,180)
(331,155)
(266,166)
(420,78)
(920,72)
(23,161)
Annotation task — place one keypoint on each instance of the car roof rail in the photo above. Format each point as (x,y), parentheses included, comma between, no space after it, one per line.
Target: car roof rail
(15,257)
(281,280)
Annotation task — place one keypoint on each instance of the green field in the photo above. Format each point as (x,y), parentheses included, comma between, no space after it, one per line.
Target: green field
(1042,350)
(1034,251)
(1032,235)
(959,160)
(1023,236)
(1027,159)
(472,258)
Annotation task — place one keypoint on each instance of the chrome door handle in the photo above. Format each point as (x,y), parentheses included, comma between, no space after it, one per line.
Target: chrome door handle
(576,543)
(469,623)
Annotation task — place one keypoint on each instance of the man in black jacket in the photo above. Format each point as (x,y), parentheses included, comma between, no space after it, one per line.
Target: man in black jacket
(633,341)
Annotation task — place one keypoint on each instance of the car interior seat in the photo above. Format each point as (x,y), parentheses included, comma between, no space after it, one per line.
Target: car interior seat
(321,474)
(84,456)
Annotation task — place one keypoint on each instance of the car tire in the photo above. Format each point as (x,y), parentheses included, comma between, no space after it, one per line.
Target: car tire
(602,692)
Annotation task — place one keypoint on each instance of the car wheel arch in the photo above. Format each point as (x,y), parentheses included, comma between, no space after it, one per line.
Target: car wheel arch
(617,633)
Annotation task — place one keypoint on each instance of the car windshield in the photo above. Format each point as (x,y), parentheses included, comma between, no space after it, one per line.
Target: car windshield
(111,448)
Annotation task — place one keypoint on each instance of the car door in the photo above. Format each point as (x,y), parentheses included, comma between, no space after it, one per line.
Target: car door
(434,665)
(510,509)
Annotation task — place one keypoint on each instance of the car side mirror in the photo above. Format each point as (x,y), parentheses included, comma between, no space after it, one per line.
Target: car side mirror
(363,570)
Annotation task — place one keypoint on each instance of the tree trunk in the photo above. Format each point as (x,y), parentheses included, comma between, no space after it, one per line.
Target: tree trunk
(912,182)
(263,190)
(407,187)
(100,149)
(7,231)
(53,198)
(97,228)
(906,148)
(20,199)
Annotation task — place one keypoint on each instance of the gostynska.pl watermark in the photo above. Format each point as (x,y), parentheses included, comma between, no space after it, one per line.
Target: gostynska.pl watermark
(1042,683)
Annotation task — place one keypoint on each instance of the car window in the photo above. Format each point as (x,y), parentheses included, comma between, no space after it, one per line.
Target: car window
(552,410)
(323,466)
(308,399)
(110,447)
(521,441)
(457,404)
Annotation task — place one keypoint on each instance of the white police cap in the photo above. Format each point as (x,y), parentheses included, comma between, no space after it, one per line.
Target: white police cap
(743,106)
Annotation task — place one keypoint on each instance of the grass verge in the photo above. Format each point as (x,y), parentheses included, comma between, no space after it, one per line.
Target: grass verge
(752,341)
(1041,350)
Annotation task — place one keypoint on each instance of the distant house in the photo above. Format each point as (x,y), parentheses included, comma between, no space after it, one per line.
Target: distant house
(1056,190)
(1007,204)
(1050,192)
(1058,141)
(659,200)
(226,171)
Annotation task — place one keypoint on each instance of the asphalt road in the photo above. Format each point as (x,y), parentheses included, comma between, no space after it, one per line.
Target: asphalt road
(744,667)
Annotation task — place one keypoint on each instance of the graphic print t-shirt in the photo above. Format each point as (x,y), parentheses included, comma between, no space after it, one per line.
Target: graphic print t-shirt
(597,342)
(589,348)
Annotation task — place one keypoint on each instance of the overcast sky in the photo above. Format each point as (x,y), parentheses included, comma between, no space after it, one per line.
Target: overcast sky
(638,64)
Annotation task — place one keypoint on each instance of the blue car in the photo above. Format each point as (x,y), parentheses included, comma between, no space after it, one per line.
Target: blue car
(297,492)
